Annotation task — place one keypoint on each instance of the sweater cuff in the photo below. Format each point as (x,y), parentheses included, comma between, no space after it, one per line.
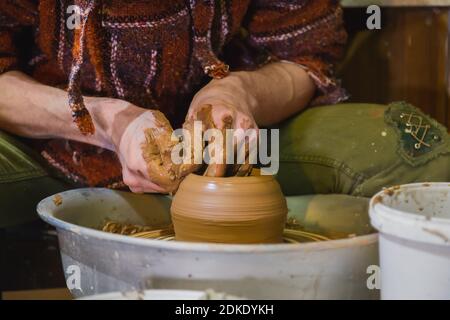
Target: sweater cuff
(329,90)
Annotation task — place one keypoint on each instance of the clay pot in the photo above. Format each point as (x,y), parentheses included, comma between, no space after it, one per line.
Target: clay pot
(229,210)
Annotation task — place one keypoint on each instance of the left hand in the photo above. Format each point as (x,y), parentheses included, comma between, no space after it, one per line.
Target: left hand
(221,107)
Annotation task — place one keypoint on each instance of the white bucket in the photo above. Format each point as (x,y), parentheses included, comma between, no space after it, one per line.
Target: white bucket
(414,225)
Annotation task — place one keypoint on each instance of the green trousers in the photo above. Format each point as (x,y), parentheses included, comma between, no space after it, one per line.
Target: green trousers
(23,182)
(347,152)
(357,149)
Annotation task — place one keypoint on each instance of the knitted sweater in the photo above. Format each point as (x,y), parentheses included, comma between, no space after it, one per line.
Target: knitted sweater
(157,54)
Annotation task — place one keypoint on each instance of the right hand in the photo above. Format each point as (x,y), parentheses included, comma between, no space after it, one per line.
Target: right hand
(144,148)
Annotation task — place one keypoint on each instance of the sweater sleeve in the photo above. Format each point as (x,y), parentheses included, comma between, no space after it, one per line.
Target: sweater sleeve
(14,17)
(309,33)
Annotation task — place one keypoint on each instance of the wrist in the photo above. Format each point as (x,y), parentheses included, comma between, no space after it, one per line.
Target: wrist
(231,90)
(111,117)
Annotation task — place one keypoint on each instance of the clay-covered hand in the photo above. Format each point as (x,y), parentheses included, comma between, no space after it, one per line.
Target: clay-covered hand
(217,108)
(144,150)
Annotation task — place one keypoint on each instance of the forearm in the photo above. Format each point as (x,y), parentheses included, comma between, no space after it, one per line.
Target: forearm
(34,110)
(271,93)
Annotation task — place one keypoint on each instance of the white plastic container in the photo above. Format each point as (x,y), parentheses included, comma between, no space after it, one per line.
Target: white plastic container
(414,242)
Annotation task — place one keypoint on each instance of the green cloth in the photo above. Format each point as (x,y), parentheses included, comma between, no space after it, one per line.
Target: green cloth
(23,182)
(357,149)
(346,149)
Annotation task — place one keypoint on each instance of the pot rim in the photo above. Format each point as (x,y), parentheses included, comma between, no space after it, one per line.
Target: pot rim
(234,180)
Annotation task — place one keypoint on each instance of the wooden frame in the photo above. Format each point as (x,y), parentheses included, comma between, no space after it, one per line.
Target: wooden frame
(408,59)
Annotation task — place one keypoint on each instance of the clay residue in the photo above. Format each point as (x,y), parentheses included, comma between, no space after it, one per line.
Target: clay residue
(205,115)
(290,235)
(137,231)
(437,233)
(156,151)
(378,199)
(124,228)
(57,200)
(391,190)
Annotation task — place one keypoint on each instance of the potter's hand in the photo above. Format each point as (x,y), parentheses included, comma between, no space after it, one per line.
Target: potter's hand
(217,109)
(144,149)
(243,99)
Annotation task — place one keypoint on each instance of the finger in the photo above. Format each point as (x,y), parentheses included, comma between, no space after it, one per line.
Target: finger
(160,163)
(251,150)
(217,157)
(244,169)
(158,171)
(140,190)
(222,119)
(242,165)
(165,145)
(193,163)
(149,186)
(204,114)
(216,170)
(162,138)
(139,184)
(136,190)
(245,140)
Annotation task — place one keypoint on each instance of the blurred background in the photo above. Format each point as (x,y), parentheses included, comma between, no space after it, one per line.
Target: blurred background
(408,59)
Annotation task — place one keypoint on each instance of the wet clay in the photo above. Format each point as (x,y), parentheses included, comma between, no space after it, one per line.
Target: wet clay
(156,151)
(240,210)
(205,115)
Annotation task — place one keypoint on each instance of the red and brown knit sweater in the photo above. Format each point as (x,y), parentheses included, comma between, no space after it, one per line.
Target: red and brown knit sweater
(158,53)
